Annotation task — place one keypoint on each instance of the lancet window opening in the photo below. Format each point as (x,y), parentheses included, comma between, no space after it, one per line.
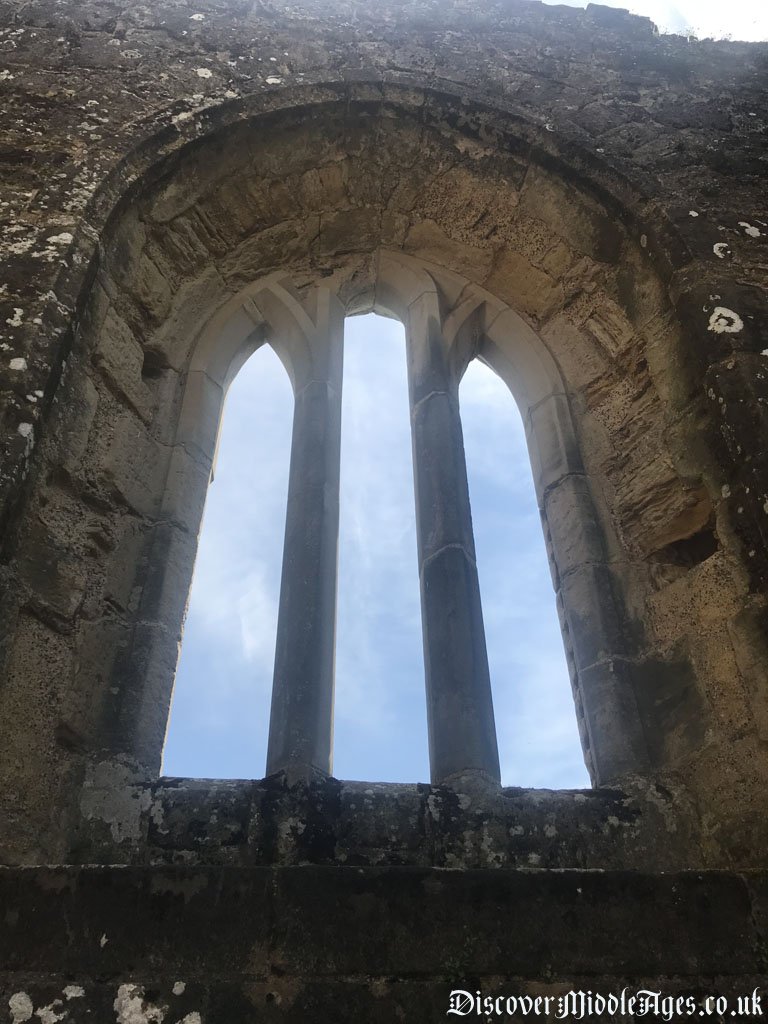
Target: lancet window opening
(536,724)
(220,708)
(380,727)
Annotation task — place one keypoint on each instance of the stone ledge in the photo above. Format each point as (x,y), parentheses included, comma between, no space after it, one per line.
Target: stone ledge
(329,822)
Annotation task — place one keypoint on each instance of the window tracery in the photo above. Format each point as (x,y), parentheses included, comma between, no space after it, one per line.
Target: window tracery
(447,323)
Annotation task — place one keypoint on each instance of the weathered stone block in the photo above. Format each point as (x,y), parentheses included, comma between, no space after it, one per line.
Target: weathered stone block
(589,230)
(169,558)
(142,679)
(199,819)
(127,462)
(56,577)
(526,288)
(618,746)
(120,358)
(73,418)
(186,488)
(441,480)
(575,531)
(597,629)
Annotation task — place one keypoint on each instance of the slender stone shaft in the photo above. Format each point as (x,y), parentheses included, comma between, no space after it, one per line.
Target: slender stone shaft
(462,733)
(301,722)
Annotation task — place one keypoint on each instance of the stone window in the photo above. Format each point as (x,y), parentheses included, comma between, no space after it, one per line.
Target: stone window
(220,712)
(488,237)
(307,332)
(246,513)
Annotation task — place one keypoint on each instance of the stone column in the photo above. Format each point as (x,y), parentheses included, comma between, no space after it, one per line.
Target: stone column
(462,733)
(301,722)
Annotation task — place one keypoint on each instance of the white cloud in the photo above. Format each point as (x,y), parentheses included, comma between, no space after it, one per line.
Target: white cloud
(740,19)
(257,607)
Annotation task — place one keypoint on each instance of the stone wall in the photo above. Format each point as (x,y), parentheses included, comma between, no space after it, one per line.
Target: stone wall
(597,191)
(198,945)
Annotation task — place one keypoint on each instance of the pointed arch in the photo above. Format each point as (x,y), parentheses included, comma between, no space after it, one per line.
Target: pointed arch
(219,716)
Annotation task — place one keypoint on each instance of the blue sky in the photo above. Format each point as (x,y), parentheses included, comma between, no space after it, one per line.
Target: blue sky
(221,705)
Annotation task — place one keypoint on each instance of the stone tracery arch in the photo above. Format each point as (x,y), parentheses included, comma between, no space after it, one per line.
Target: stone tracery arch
(416,293)
(556,261)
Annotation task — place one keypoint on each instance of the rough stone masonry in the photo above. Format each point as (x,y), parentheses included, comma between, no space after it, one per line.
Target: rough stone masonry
(565,194)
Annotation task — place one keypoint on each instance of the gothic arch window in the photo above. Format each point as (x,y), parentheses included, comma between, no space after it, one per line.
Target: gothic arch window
(380,727)
(533,707)
(447,325)
(218,721)
(220,711)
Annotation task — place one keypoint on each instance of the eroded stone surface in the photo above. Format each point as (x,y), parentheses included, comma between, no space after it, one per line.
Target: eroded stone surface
(182,821)
(159,160)
(382,943)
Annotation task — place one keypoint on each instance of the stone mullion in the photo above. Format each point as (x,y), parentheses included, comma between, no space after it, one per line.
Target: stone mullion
(462,733)
(301,723)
